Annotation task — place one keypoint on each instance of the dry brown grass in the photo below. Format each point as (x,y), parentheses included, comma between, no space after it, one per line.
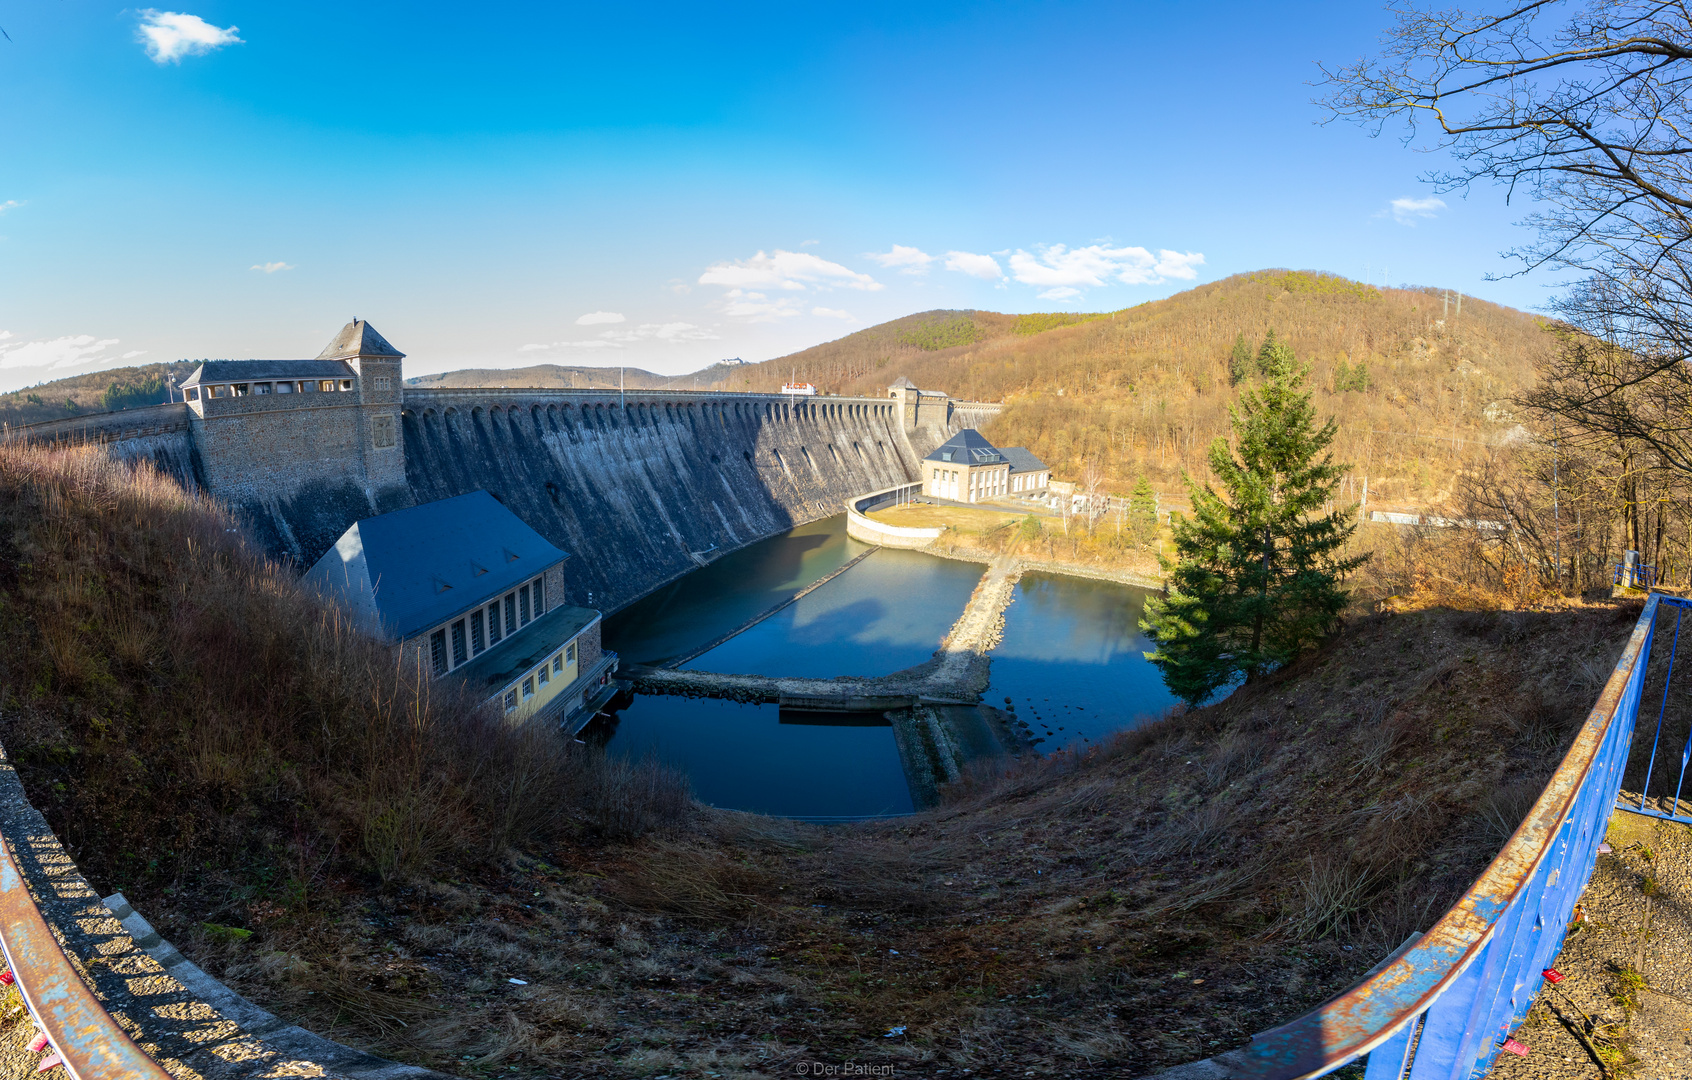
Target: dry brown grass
(174,697)
(215,744)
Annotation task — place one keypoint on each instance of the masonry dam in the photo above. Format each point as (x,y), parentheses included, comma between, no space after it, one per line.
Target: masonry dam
(639,487)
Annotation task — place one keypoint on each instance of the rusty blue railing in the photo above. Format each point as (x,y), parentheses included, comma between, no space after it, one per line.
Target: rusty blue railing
(1443,1007)
(80,1032)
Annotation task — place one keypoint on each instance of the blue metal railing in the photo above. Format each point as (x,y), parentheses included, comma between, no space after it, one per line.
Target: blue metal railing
(1644,575)
(1444,1006)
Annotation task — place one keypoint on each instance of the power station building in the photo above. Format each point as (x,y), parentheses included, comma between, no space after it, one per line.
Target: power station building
(471,592)
(968,468)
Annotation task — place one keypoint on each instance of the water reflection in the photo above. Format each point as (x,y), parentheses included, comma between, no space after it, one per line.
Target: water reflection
(713,600)
(1072,660)
(888,612)
(759,758)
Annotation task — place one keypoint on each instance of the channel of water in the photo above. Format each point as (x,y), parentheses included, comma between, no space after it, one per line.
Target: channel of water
(1071,664)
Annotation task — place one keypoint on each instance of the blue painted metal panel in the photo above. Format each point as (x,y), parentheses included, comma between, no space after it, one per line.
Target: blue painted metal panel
(1443,1008)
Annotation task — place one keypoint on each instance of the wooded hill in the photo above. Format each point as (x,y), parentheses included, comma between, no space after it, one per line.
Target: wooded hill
(1145,389)
(560,377)
(95,392)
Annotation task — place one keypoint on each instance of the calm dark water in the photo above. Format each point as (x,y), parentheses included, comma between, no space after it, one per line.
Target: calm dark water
(888,612)
(1072,660)
(715,599)
(745,757)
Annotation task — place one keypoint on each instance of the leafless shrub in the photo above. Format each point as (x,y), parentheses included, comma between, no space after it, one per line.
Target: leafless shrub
(1331,892)
(1195,831)
(1238,754)
(1504,808)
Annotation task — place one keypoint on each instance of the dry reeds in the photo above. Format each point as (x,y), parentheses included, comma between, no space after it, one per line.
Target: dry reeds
(189,695)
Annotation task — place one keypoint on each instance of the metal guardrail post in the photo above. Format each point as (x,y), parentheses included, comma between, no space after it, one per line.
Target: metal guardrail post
(1442,1009)
(88,1041)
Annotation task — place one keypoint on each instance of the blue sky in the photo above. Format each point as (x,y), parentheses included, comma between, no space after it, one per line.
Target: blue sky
(665,186)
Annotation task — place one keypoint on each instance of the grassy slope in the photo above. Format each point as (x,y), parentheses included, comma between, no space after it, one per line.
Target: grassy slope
(207,740)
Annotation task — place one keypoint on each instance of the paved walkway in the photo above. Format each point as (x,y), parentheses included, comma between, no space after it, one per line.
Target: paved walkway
(1638,918)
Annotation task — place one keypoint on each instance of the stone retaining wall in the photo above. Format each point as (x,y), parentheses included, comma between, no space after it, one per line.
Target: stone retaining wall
(187,1021)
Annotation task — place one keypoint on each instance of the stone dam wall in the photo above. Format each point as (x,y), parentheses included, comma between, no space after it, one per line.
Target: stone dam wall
(645,489)
(639,487)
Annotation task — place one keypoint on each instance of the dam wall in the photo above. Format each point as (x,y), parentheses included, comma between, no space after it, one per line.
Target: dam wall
(639,487)
(157,434)
(642,487)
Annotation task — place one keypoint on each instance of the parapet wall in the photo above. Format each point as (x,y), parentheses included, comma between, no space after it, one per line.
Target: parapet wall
(187,1021)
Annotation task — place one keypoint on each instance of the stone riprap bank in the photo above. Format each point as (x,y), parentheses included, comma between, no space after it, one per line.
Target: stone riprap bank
(641,486)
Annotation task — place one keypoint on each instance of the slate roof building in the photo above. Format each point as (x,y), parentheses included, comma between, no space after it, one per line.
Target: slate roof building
(968,468)
(471,592)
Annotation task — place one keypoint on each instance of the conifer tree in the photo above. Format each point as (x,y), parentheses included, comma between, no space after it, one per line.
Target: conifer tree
(1258,568)
(1275,357)
(1241,363)
(1142,513)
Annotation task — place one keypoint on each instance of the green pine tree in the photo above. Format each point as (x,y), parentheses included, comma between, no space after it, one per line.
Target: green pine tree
(1257,572)
(1275,357)
(1142,514)
(1241,364)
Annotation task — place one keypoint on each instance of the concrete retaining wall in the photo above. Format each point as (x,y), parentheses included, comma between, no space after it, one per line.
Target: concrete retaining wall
(643,488)
(870,531)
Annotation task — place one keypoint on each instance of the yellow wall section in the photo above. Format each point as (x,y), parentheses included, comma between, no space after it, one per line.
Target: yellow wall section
(555,684)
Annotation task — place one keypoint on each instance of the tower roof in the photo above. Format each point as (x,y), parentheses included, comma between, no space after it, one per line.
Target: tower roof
(902,383)
(358,338)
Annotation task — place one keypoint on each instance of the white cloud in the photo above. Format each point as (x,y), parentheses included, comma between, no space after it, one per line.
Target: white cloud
(132,354)
(596,318)
(74,350)
(833,313)
(1406,211)
(9,204)
(907,260)
(171,35)
(672,332)
(758,307)
(984,267)
(792,271)
(1062,292)
(1090,266)
(808,243)
(272,267)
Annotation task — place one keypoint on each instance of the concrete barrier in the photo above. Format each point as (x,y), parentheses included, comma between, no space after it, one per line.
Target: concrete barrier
(870,531)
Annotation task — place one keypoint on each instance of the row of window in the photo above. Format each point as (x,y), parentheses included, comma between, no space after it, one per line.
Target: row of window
(466,638)
(241,389)
(540,676)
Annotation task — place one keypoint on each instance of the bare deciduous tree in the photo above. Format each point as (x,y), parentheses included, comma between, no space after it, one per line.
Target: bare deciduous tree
(1585,107)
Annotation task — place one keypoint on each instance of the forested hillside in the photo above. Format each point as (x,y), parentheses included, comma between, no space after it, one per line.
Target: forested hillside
(1418,393)
(99,391)
(560,377)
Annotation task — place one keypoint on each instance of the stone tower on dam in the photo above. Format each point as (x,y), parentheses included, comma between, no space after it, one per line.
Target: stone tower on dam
(643,485)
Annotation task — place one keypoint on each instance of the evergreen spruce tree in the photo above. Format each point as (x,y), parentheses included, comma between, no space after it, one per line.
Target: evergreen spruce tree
(1275,357)
(1257,572)
(1142,514)
(1241,363)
